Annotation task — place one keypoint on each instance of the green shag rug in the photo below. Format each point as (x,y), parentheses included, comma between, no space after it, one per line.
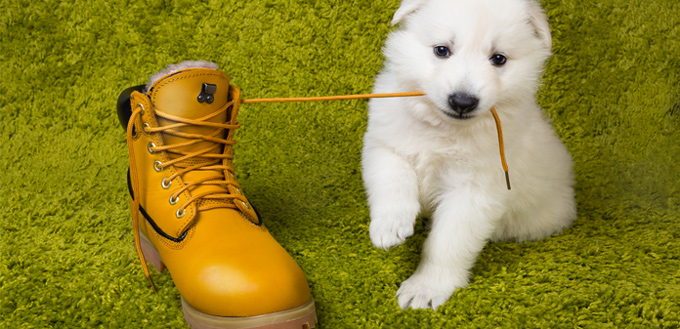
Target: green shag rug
(67,257)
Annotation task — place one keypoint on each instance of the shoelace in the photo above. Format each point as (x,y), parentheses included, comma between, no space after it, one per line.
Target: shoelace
(211,159)
(217,157)
(497,120)
(501,147)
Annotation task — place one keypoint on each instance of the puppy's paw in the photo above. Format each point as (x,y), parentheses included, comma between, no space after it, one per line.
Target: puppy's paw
(389,231)
(422,292)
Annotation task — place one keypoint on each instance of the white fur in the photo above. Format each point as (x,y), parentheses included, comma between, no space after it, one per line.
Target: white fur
(178,67)
(417,160)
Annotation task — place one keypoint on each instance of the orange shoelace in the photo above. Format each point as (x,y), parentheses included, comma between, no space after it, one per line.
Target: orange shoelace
(330,98)
(212,161)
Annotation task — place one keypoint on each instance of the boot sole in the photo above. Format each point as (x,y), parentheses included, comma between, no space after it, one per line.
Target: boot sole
(303,317)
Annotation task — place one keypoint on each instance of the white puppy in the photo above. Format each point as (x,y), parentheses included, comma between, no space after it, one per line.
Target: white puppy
(437,155)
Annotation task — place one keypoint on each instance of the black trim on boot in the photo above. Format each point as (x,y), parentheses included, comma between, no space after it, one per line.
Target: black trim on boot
(123,105)
(148,218)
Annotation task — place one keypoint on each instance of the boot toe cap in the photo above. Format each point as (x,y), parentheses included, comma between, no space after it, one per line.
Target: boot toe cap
(239,270)
(238,290)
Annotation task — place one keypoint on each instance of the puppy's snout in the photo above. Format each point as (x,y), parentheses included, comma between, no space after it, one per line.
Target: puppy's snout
(463,103)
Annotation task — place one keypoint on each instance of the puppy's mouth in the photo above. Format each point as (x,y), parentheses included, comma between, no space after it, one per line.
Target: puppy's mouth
(459,116)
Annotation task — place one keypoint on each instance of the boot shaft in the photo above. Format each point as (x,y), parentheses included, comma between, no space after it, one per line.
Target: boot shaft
(183,148)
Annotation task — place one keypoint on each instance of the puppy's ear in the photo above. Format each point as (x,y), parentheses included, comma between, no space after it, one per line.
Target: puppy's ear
(539,20)
(406,8)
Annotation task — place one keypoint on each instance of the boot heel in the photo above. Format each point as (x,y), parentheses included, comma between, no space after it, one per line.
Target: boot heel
(150,253)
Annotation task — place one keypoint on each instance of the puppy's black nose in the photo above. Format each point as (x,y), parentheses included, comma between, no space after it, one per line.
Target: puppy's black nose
(463,103)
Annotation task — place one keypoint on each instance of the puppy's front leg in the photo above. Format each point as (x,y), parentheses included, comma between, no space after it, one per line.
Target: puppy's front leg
(392,190)
(462,224)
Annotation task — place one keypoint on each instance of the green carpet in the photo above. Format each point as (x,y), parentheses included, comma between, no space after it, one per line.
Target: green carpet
(67,258)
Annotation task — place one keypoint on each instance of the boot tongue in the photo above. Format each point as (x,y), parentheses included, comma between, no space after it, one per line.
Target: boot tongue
(191,94)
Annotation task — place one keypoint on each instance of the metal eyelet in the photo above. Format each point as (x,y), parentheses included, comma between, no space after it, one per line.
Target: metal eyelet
(239,191)
(145,126)
(173,200)
(180,214)
(142,106)
(156,165)
(232,176)
(148,147)
(246,205)
(165,183)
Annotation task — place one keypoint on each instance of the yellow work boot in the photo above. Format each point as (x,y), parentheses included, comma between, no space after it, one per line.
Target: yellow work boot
(190,214)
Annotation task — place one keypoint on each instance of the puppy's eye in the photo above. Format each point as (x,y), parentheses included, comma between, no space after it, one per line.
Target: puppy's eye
(498,59)
(442,51)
